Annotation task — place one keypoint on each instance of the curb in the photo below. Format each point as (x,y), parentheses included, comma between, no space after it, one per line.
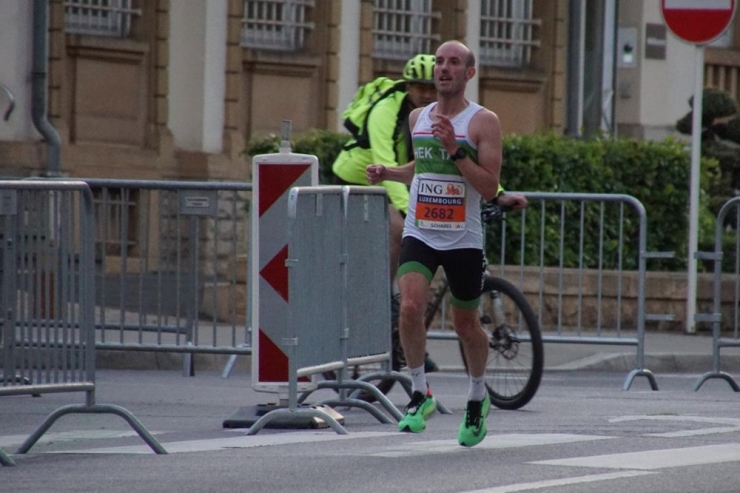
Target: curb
(608,362)
(655,362)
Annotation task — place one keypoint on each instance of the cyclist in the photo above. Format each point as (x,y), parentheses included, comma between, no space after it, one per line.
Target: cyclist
(458,148)
(390,137)
(390,143)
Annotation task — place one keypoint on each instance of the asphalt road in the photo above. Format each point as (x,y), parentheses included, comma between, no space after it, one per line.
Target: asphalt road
(581,433)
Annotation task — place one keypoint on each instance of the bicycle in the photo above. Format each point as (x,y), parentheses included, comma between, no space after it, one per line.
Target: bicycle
(516,352)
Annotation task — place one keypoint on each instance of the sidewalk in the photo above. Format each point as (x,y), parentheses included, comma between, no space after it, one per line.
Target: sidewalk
(664,353)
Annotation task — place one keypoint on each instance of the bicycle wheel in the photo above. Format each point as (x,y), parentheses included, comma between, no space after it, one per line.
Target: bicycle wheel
(516,353)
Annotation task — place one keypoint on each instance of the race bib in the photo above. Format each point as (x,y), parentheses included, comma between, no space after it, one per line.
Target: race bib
(440,204)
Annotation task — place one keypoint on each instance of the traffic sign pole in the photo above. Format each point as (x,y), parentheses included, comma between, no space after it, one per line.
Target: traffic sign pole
(694,189)
(698,22)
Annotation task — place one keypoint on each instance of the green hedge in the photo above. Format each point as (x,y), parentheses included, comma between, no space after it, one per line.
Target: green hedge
(655,173)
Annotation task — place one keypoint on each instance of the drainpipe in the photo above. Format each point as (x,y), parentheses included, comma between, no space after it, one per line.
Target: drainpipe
(576,56)
(39,89)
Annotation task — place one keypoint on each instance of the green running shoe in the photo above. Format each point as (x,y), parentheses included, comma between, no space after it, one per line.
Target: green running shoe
(473,428)
(418,411)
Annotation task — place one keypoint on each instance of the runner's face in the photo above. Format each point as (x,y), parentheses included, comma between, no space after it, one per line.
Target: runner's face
(421,94)
(450,69)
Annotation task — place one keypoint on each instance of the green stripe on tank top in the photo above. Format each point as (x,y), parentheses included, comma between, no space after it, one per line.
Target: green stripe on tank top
(431,156)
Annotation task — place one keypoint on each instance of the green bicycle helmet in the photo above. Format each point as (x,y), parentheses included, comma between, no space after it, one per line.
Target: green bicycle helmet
(420,69)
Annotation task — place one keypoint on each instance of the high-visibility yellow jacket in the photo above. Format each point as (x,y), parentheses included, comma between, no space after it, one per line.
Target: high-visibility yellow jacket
(387,124)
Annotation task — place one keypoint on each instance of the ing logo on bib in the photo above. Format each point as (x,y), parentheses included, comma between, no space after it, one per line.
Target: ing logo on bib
(440,205)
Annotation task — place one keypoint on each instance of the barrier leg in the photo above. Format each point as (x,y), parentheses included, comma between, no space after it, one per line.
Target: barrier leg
(229,366)
(357,403)
(405,382)
(640,373)
(231,362)
(717,374)
(290,414)
(135,424)
(5,460)
(302,398)
(352,402)
(95,409)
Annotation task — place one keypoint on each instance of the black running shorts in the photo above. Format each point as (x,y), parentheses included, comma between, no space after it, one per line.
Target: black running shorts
(464,268)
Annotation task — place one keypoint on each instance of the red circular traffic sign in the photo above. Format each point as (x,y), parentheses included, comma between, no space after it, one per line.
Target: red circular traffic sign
(698,21)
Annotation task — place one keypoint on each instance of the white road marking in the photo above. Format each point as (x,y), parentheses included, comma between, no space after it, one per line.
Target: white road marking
(258,440)
(733,422)
(655,459)
(675,417)
(490,442)
(407,449)
(69,436)
(692,433)
(553,483)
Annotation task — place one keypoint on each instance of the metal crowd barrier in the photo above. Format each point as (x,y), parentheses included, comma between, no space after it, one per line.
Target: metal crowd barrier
(324,330)
(5,460)
(601,223)
(367,310)
(725,334)
(47,296)
(171,266)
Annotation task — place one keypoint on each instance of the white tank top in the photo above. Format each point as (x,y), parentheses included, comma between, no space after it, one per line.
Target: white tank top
(444,209)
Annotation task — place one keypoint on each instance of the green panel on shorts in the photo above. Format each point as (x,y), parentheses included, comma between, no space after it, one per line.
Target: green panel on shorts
(464,305)
(415,267)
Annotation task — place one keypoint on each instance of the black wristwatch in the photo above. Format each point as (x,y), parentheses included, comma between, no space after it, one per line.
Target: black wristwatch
(460,153)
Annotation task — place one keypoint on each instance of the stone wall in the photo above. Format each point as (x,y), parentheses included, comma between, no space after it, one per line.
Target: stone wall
(573,299)
(609,298)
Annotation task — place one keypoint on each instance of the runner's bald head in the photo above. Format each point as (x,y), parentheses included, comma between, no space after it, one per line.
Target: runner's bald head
(466,54)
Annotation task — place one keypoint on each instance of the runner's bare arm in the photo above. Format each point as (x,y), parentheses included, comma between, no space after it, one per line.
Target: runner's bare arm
(377,172)
(405,174)
(485,132)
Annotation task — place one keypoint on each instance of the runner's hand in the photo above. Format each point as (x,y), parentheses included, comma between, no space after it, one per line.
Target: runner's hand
(375,173)
(513,201)
(443,130)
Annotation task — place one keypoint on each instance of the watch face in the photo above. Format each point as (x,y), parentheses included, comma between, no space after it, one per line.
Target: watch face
(460,153)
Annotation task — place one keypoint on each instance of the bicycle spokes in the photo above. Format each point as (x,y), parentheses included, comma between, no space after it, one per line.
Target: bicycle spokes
(515,358)
(505,341)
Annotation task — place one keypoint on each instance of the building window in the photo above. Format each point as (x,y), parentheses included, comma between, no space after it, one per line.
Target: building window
(507,33)
(276,24)
(403,28)
(115,220)
(100,17)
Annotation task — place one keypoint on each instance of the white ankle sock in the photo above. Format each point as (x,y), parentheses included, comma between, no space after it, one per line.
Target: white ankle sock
(418,380)
(477,389)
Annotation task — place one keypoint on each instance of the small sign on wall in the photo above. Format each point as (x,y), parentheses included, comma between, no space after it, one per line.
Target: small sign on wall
(199,203)
(655,41)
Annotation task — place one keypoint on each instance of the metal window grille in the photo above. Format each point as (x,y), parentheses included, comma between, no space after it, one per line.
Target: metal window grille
(115,213)
(403,28)
(507,32)
(99,17)
(276,24)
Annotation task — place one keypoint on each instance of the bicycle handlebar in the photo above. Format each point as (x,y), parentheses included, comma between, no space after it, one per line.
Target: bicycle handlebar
(491,213)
